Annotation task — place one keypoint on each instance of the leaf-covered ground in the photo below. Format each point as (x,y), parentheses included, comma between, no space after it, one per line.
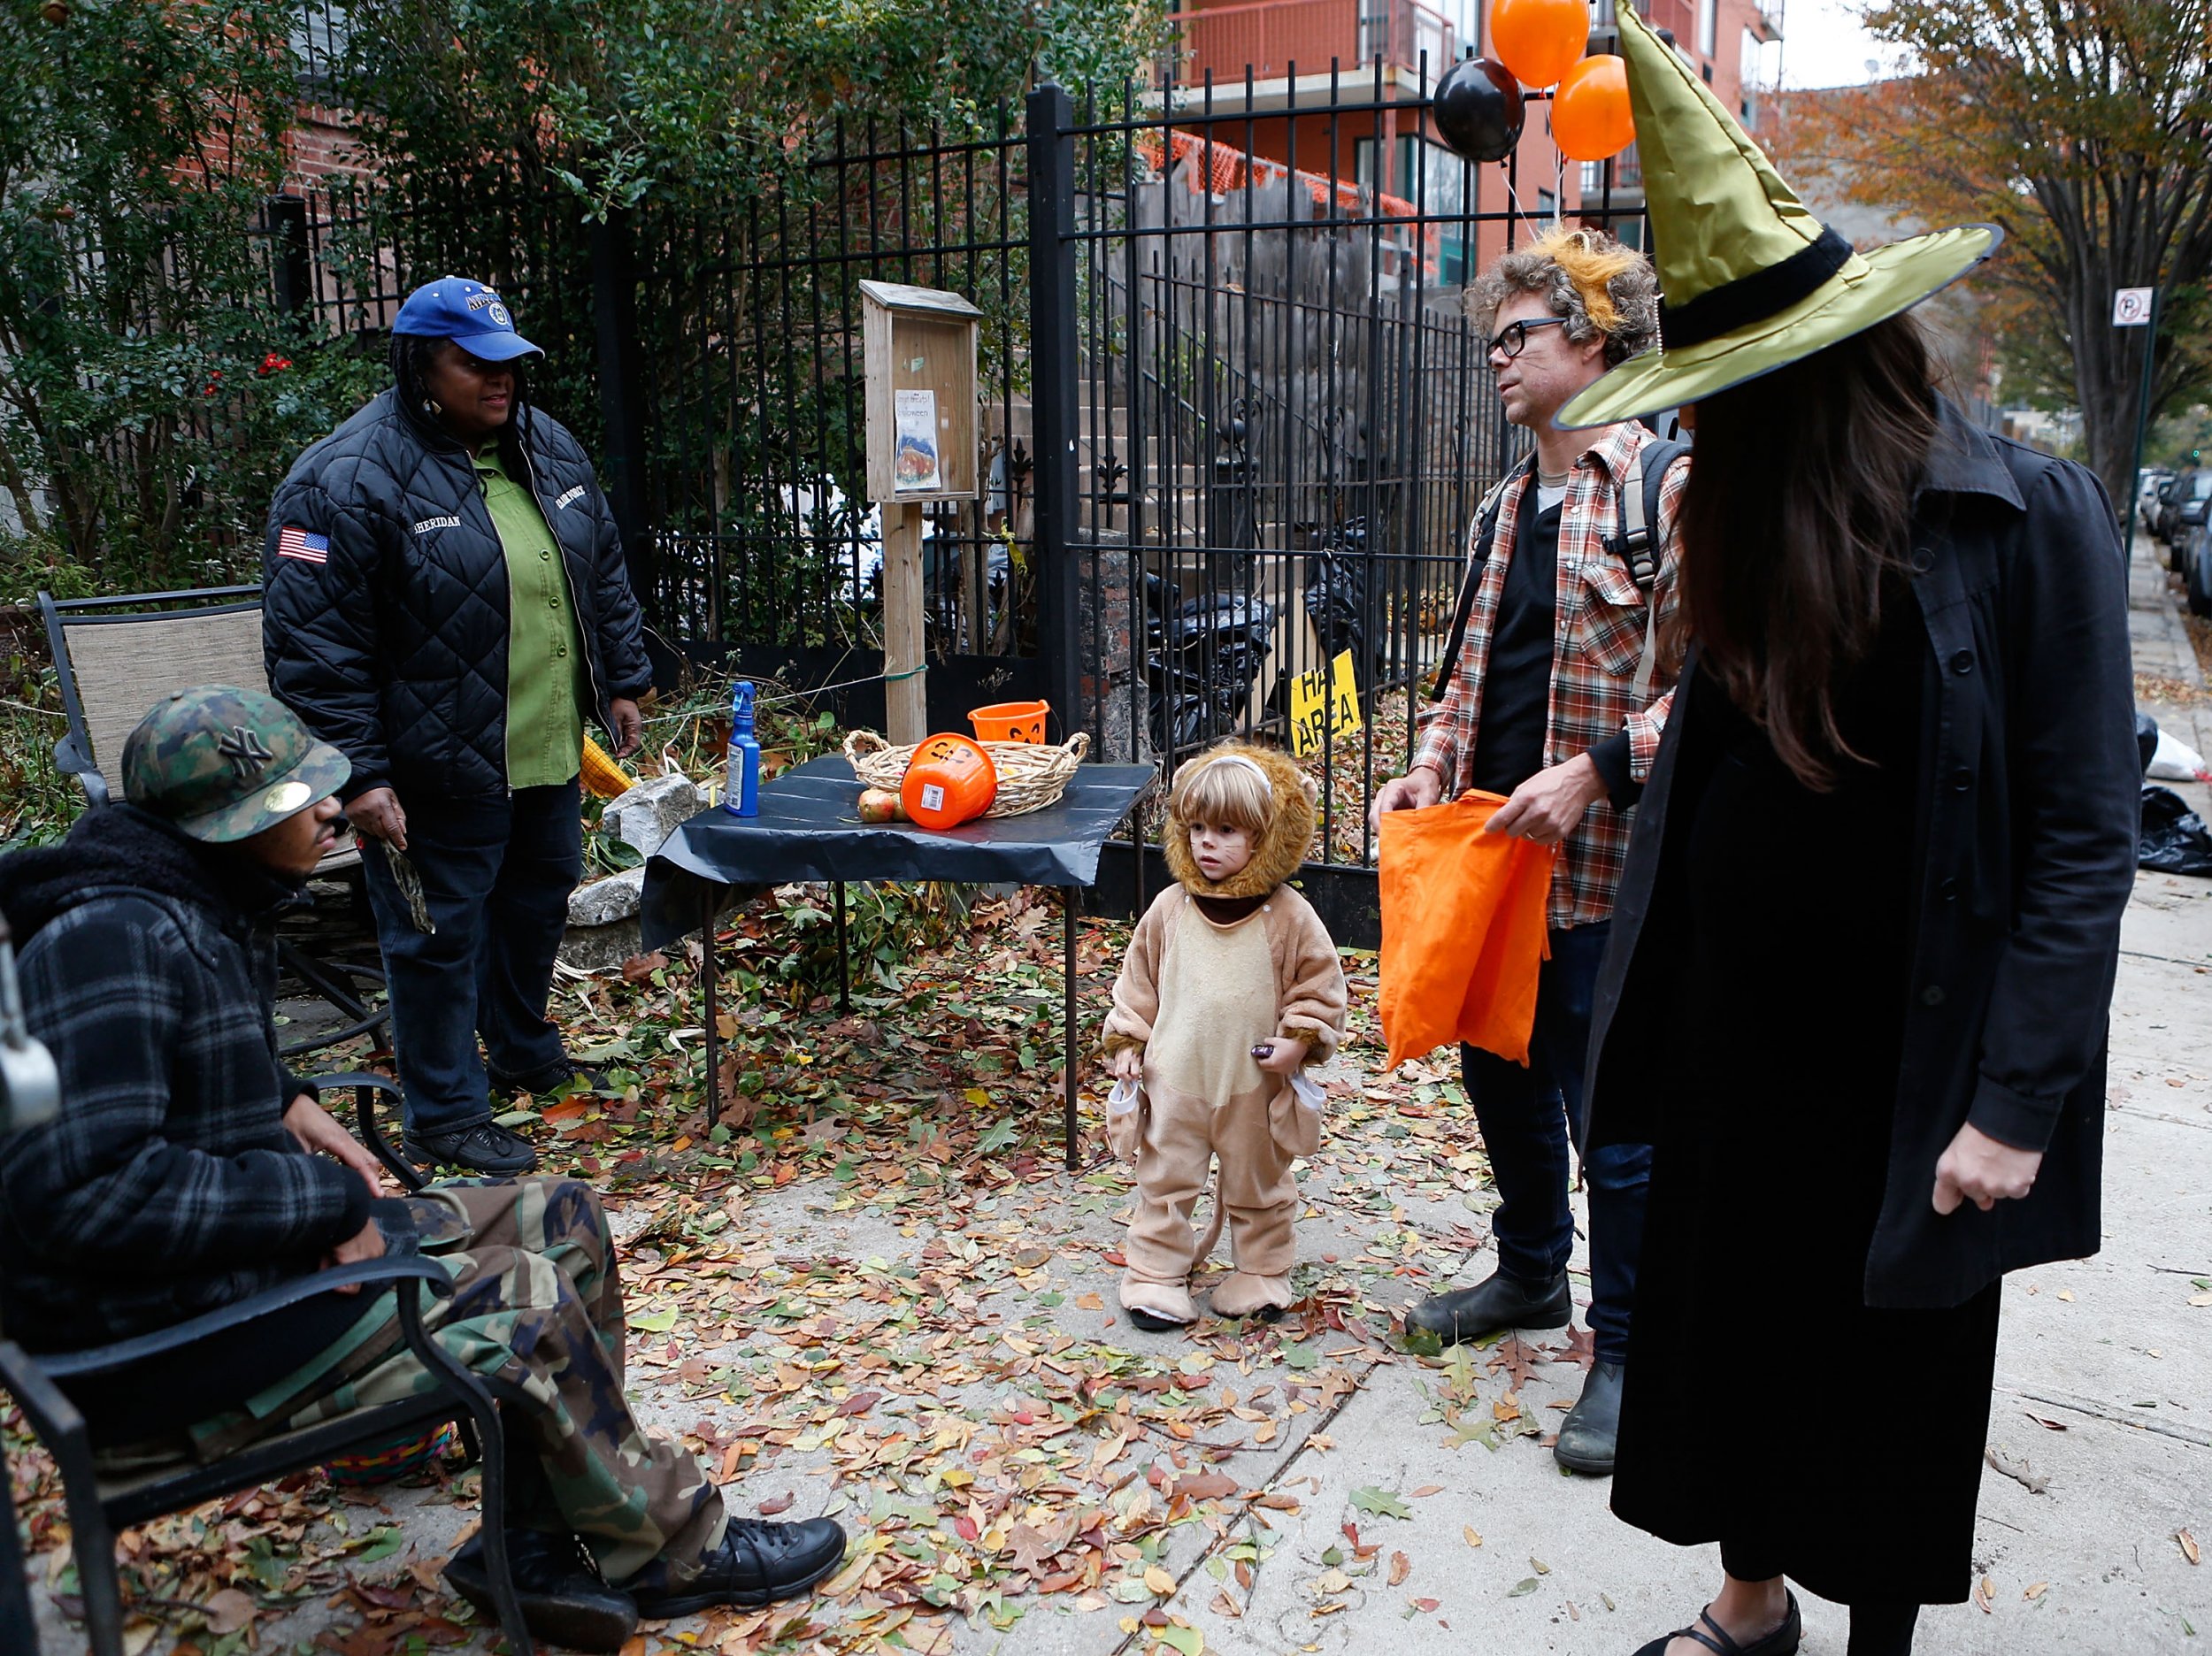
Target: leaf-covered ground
(875,1291)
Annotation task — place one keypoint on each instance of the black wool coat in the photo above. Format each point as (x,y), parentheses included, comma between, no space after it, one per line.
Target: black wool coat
(388,636)
(168,1185)
(2025,838)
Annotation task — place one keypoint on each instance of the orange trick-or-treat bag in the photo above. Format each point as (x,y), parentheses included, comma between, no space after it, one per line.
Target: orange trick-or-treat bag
(1463,930)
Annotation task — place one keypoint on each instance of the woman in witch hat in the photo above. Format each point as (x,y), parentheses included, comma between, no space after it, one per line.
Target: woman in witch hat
(1865,941)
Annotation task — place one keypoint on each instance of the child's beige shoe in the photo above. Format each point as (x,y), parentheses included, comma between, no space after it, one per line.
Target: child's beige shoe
(1158,1306)
(1243,1295)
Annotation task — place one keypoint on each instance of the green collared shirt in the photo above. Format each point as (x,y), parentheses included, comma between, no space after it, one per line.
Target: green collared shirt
(545,654)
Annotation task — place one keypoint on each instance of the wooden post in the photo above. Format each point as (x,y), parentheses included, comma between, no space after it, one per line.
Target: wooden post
(906,719)
(918,356)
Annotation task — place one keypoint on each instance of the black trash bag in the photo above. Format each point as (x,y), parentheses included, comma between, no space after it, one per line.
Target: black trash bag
(1203,657)
(1336,598)
(2175,839)
(2145,739)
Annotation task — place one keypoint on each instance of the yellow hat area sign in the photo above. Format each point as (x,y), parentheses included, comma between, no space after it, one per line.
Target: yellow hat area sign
(1324,706)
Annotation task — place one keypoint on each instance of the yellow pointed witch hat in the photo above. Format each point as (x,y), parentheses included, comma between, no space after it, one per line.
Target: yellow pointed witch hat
(1750,280)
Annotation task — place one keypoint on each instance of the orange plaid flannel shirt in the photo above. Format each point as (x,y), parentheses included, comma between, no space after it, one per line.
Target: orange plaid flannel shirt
(1597,645)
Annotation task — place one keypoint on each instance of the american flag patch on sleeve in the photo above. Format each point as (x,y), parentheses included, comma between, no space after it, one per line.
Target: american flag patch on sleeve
(304,544)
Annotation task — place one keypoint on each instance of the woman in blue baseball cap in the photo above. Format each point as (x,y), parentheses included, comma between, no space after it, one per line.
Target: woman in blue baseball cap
(446,603)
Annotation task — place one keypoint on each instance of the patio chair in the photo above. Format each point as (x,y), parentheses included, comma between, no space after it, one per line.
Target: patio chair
(115,658)
(100,1503)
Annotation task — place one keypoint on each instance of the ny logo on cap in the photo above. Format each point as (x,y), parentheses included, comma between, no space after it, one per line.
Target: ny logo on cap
(244,750)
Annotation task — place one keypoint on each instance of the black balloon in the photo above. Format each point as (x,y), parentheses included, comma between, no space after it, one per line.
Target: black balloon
(1478,110)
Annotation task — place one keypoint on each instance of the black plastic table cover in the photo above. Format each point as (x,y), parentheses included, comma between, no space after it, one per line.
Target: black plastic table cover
(809,828)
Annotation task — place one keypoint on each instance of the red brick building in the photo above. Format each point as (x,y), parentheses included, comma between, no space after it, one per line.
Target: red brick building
(1269,60)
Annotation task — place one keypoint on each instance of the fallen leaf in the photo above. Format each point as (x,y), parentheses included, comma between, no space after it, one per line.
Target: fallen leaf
(1400,1566)
(1985,1595)
(1467,1530)
(1381,1502)
(2035,1590)
(1204,1486)
(1539,1566)
(2067,1294)
(1224,1606)
(1031,1546)
(1520,1589)
(1427,1489)
(780,1503)
(1158,1581)
(2189,1548)
(2019,1471)
(1426,1606)
(227,1611)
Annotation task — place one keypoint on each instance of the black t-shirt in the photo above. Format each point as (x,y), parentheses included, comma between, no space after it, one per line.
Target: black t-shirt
(1517,689)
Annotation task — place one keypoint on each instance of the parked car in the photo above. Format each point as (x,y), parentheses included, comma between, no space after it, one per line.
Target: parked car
(2181,509)
(2191,559)
(2149,482)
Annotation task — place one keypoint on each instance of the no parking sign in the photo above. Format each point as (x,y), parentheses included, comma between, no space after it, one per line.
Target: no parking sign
(2130,307)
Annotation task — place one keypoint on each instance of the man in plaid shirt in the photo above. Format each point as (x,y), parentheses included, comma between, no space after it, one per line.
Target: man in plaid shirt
(1545,705)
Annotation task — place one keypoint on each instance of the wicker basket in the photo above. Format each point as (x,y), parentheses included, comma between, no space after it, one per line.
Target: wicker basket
(1030,775)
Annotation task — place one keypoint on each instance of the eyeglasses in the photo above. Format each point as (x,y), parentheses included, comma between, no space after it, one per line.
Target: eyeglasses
(1514,335)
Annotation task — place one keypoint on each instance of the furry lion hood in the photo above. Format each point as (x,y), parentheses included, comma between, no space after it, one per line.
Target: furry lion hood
(1280,849)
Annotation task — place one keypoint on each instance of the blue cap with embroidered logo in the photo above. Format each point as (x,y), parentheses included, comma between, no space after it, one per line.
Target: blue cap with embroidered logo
(468,313)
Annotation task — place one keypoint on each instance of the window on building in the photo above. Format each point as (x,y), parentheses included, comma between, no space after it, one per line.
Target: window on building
(1707,29)
(1546,206)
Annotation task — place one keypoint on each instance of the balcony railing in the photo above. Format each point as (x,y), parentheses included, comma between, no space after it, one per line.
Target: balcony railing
(1268,37)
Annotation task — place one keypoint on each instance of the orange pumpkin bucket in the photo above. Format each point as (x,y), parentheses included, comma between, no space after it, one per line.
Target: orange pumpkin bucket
(1011,721)
(950,781)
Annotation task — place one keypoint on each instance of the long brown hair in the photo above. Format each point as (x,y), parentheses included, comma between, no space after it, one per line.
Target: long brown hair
(1800,501)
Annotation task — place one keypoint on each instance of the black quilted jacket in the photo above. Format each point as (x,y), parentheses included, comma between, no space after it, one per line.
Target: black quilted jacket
(385,616)
(168,1185)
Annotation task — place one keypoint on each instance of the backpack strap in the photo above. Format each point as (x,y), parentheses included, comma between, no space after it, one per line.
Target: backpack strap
(1478,555)
(1638,544)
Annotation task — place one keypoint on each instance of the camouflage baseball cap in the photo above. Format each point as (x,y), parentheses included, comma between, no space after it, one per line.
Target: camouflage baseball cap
(223,763)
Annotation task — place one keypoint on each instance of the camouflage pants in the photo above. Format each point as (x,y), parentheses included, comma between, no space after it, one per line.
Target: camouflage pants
(536,1303)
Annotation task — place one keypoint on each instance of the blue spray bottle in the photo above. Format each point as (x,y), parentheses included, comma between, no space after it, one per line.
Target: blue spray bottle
(740,787)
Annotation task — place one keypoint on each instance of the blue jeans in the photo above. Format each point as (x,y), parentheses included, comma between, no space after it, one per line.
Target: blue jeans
(497,874)
(1526,1116)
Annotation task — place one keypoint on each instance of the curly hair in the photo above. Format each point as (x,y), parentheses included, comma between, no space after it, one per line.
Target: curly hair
(1600,287)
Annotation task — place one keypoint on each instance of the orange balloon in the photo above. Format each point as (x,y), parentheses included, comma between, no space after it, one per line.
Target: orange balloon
(1590,116)
(1538,40)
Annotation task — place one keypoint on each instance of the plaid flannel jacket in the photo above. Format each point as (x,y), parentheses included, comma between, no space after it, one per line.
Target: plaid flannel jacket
(1598,642)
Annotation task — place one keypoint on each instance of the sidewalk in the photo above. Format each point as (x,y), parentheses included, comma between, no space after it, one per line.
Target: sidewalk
(2103,1397)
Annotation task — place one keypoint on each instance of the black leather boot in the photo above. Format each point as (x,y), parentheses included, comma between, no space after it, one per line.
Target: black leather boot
(564,1600)
(486,1149)
(1501,1303)
(757,1563)
(1587,1435)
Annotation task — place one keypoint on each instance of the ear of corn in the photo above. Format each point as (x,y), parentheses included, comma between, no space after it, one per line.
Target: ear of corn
(602,775)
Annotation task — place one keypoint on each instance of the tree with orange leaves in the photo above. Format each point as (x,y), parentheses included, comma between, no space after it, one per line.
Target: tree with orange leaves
(2084,129)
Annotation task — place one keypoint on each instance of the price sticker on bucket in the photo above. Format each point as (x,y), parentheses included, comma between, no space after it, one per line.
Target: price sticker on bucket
(1323,705)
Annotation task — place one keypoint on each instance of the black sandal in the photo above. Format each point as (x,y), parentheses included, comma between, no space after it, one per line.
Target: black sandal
(1783,1641)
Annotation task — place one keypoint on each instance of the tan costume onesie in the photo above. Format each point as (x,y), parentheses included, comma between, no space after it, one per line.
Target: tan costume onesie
(1197,995)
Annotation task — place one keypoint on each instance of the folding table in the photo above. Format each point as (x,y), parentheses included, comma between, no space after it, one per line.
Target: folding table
(809,828)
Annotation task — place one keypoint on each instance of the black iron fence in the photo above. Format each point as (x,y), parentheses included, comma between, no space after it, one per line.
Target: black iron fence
(1235,420)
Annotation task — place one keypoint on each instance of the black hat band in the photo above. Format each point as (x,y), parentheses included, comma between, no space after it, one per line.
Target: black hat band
(1753,298)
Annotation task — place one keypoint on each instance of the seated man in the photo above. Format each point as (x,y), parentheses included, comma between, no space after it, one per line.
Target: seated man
(188,1169)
